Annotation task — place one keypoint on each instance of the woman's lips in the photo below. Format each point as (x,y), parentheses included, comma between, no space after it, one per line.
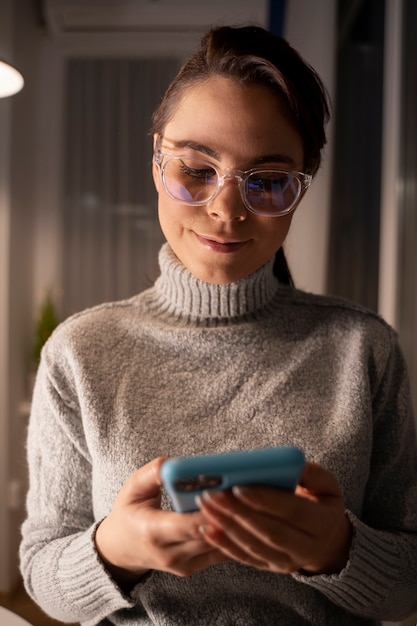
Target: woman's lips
(220,246)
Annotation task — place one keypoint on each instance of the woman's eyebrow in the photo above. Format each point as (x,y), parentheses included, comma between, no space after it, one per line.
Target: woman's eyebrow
(275,158)
(266,158)
(193,145)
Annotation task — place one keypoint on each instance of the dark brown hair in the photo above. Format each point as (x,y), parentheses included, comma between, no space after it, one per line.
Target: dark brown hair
(253,55)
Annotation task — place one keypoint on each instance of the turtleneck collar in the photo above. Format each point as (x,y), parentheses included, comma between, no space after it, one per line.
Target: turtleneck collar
(182,294)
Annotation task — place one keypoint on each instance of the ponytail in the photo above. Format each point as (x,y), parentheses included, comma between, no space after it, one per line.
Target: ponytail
(281,269)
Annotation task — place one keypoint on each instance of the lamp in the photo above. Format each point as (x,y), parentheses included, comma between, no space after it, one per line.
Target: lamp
(11,80)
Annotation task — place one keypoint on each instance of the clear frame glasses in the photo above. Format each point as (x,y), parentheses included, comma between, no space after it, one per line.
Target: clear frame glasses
(270,192)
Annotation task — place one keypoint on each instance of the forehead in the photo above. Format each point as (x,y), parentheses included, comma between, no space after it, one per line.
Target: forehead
(237,122)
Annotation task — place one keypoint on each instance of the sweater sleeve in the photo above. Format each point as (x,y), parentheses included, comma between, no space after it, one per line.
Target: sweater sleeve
(380,578)
(60,566)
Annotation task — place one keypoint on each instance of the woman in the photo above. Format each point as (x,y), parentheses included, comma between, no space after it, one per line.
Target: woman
(218,355)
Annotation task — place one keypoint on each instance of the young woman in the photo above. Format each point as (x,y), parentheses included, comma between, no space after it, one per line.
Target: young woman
(222,353)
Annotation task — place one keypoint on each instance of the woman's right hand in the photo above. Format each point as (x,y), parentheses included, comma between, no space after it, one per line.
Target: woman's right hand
(137,536)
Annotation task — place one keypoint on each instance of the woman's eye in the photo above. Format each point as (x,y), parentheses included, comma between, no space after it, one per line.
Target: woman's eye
(197,172)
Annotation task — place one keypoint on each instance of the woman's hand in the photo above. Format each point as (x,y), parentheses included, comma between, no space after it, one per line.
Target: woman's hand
(279,531)
(138,536)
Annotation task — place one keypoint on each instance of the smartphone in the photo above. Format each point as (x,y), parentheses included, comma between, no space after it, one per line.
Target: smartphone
(186,477)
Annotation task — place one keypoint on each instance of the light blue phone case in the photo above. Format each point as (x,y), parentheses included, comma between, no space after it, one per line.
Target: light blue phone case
(186,477)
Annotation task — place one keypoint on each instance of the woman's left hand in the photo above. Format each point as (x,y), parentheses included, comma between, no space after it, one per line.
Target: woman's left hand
(278,531)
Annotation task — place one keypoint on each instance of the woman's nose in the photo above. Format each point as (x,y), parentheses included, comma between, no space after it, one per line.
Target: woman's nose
(228,204)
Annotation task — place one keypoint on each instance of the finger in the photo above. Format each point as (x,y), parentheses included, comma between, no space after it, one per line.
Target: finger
(318,533)
(298,510)
(233,514)
(270,501)
(272,537)
(318,480)
(270,543)
(166,528)
(145,483)
(316,484)
(230,549)
(239,544)
(310,515)
(287,531)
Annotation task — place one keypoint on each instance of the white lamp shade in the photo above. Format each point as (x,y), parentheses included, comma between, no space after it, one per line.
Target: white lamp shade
(11,80)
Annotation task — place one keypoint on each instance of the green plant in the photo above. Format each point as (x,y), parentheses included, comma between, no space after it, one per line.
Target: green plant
(45,325)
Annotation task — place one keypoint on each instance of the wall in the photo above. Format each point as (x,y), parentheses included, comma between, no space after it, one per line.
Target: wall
(17,190)
(5,143)
(311,27)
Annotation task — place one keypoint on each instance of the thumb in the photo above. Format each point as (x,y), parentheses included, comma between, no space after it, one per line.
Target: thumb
(145,483)
(317,480)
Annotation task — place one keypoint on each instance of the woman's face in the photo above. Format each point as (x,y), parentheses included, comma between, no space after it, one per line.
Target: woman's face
(230,126)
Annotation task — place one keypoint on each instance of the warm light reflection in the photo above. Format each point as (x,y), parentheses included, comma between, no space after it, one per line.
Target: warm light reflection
(11,80)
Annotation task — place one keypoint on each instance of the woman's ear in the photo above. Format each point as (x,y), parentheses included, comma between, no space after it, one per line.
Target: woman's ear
(155,175)
(155,168)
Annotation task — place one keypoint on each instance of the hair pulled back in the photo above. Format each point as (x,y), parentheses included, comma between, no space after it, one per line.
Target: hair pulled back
(253,55)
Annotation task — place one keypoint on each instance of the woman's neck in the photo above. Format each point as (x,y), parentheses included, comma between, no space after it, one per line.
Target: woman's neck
(185,295)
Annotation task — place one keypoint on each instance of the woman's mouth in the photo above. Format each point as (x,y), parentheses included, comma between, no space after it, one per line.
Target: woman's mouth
(220,246)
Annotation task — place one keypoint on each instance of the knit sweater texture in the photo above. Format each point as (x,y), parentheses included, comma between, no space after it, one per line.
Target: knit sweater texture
(188,367)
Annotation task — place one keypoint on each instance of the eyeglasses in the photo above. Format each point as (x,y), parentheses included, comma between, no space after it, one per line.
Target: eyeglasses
(264,191)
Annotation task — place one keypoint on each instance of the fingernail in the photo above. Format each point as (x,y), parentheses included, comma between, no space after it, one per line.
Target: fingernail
(207,495)
(206,530)
(204,496)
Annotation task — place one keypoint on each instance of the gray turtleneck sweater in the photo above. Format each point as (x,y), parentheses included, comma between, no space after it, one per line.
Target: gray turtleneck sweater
(189,367)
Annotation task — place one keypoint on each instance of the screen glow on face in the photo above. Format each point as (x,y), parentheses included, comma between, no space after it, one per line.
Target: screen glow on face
(264,191)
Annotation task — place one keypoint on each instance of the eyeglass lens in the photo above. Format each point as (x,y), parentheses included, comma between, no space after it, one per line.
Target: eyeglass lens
(192,181)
